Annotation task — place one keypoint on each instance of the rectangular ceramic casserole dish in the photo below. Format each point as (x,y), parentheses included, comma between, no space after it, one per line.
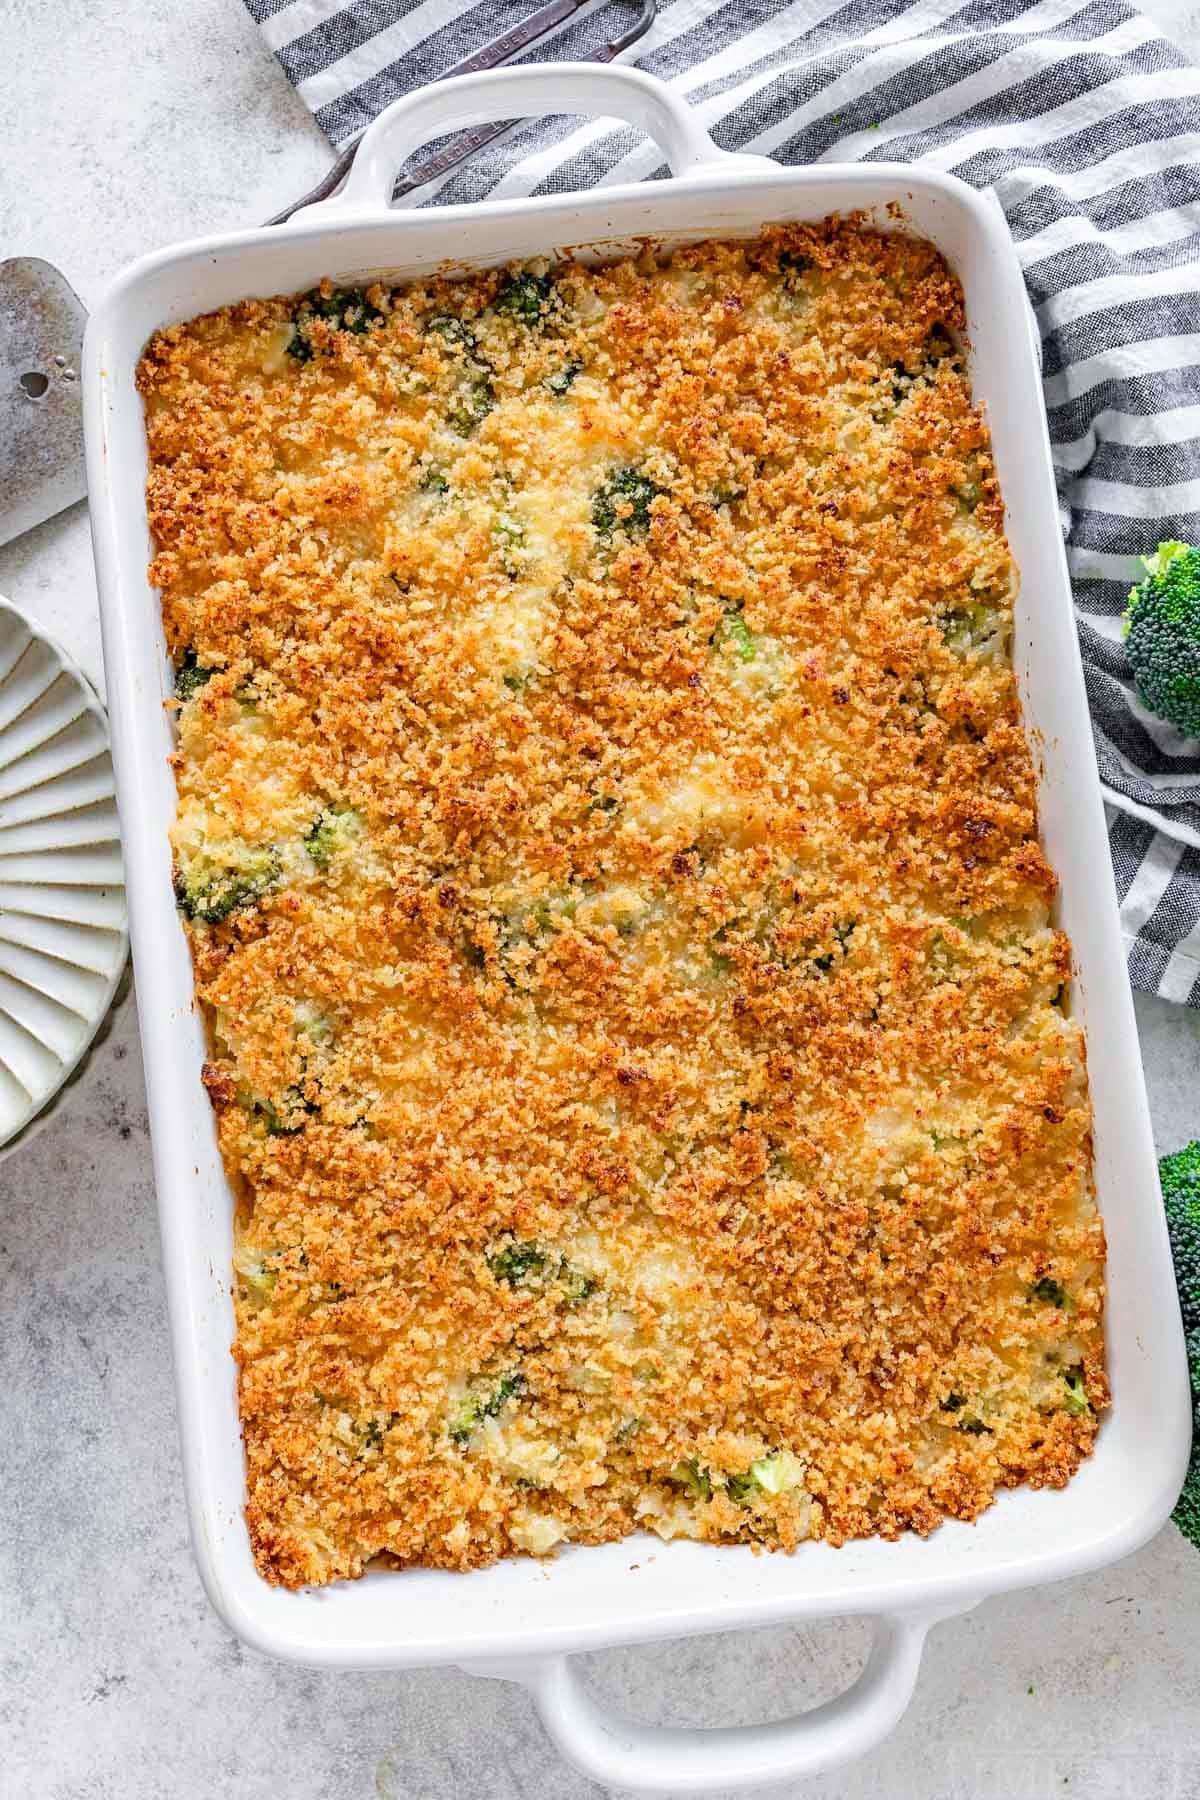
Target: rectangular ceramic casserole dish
(521,1618)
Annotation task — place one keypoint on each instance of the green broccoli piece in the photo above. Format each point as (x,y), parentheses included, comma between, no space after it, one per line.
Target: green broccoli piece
(346,309)
(895,384)
(453,331)
(334,829)
(190,677)
(256,1271)
(1076,1400)
(525,296)
(372,1431)
(777,1473)
(484,1402)
(285,1118)
(576,1286)
(517,1261)
(562,379)
(1050,1293)
(693,1479)
(793,264)
(509,537)
(968,627)
(1180,1178)
(734,631)
(311,1021)
(474,403)
(623,501)
(209,888)
(842,934)
(476,396)
(1162,635)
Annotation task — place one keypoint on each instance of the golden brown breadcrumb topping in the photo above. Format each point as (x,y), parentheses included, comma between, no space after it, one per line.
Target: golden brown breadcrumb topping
(608,846)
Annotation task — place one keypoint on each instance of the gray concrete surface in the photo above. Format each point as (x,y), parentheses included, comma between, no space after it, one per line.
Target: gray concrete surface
(127,124)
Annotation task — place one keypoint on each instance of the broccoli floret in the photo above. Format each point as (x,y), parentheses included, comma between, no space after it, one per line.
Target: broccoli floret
(312,1022)
(895,384)
(968,627)
(778,1473)
(283,1118)
(1050,1293)
(624,501)
(1162,635)
(774,1474)
(476,396)
(523,1264)
(452,330)
(517,1261)
(793,264)
(210,887)
(509,537)
(475,402)
(734,631)
(433,480)
(576,1286)
(335,829)
(842,933)
(346,309)
(1076,1400)
(562,379)
(372,1431)
(190,677)
(1180,1177)
(524,296)
(693,1479)
(256,1271)
(484,1402)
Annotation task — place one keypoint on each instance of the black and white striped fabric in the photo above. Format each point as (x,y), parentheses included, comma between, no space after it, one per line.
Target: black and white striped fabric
(1084,121)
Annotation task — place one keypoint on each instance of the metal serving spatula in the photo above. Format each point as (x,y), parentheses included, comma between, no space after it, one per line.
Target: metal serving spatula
(41,425)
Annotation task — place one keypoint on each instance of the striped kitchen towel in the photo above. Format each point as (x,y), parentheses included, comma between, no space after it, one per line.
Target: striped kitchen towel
(1086,124)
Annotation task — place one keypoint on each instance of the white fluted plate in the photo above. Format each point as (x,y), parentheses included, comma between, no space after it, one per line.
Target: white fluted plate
(63,936)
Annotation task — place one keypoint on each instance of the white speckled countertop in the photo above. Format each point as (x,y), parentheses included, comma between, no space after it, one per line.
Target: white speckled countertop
(128,124)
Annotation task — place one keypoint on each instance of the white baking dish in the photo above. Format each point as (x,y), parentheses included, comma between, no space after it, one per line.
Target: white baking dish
(522,1619)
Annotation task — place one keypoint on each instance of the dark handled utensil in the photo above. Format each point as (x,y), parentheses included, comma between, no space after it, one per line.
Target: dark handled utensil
(495,55)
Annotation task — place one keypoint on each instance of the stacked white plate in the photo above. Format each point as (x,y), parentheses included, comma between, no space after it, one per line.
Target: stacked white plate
(63,938)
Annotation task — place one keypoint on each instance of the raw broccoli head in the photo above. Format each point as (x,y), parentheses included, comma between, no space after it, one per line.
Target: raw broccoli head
(1180,1177)
(1162,635)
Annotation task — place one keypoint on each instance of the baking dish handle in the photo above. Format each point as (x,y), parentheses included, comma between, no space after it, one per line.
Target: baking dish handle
(531,93)
(667,1759)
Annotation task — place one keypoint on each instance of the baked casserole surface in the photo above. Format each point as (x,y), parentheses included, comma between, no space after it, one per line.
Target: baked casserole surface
(607,842)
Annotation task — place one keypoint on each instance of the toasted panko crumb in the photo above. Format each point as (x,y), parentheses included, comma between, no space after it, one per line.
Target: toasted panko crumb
(607,841)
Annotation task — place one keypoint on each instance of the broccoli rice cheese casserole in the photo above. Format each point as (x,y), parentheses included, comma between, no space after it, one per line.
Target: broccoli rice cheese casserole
(608,846)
